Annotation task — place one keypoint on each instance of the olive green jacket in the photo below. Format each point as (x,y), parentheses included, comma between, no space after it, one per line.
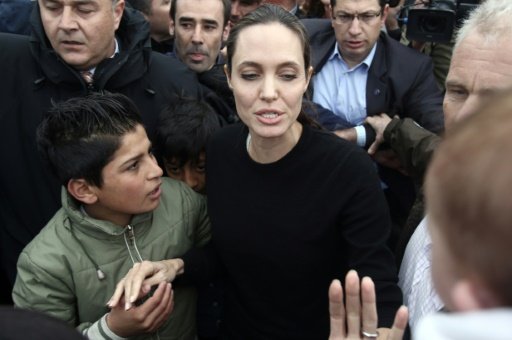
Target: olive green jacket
(57,271)
(413,144)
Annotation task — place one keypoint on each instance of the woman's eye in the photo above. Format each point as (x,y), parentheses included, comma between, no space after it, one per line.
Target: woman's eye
(249,76)
(289,76)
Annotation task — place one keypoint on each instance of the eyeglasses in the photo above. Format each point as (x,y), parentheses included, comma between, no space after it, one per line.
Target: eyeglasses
(347,18)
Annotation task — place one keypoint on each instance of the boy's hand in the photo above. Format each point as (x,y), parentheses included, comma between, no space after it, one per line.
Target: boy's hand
(145,318)
(141,277)
(354,312)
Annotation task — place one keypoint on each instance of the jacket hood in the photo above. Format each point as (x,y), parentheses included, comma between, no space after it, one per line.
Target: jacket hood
(134,52)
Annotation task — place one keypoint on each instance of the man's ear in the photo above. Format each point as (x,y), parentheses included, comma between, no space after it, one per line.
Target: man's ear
(385,12)
(469,295)
(228,76)
(118,12)
(225,32)
(82,191)
(171,28)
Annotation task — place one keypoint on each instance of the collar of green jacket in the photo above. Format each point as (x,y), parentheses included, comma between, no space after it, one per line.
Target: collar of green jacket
(94,227)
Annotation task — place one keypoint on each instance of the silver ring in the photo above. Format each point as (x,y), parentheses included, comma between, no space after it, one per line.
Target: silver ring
(370,335)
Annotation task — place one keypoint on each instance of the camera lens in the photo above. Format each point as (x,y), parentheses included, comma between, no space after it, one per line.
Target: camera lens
(433,24)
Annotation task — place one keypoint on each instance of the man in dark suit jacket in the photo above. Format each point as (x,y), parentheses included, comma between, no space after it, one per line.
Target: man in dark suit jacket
(358,72)
(400,80)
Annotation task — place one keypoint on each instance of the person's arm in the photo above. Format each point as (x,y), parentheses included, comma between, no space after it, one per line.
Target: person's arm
(363,135)
(196,215)
(413,144)
(147,317)
(325,117)
(42,289)
(38,288)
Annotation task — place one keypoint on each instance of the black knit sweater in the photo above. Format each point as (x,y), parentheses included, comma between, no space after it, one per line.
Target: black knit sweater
(284,230)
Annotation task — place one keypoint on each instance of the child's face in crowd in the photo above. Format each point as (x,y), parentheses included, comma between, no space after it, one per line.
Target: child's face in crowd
(192,172)
(131,181)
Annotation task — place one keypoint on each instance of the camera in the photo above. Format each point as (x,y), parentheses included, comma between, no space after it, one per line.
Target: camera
(438,19)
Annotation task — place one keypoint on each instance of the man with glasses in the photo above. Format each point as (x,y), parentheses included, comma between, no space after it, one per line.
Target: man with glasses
(360,71)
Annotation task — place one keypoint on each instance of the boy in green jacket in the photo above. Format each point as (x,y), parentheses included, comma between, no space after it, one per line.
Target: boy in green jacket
(117,211)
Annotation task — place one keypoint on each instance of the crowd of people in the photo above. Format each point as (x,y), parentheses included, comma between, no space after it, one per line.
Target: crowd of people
(253,169)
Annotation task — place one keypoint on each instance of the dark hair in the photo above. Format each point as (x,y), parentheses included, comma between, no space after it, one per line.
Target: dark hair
(143,6)
(226,4)
(382,3)
(314,9)
(269,14)
(184,128)
(79,136)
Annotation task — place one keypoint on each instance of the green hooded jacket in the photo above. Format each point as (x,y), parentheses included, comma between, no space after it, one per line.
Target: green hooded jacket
(57,271)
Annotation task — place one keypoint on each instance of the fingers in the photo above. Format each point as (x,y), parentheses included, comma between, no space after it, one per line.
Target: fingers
(353,304)
(399,325)
(134,281)
(336,310)
(373,148)
(161,273)
(118,293)
(157,308)
(369,306)
(162,312)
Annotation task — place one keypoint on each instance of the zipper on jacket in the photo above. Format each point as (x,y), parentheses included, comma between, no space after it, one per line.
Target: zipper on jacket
(131,244)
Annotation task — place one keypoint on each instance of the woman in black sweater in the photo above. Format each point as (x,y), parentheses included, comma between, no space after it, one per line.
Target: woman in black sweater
(292,206)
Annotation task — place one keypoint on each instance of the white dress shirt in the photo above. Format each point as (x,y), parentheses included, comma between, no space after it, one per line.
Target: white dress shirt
(415,278)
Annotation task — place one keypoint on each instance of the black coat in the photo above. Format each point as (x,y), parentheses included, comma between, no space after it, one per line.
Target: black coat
(32,77)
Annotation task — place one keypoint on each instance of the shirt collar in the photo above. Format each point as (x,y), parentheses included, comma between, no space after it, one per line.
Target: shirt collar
(366,61)
(116,51)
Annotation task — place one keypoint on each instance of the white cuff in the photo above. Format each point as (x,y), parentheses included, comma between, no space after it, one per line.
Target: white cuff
(100,330)
(360,135)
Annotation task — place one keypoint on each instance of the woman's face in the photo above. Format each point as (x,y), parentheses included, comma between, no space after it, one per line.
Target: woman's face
(268,79)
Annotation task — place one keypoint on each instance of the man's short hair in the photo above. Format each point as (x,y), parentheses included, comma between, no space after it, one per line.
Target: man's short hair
(184,128)
(143,6)
(492,20)
(468,189)
(78,137)
(226,4)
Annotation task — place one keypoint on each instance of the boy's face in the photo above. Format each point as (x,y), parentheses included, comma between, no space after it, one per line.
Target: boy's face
(192,172)
(131,181)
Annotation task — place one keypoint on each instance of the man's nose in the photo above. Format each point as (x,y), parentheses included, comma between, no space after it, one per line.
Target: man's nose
(67,20)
